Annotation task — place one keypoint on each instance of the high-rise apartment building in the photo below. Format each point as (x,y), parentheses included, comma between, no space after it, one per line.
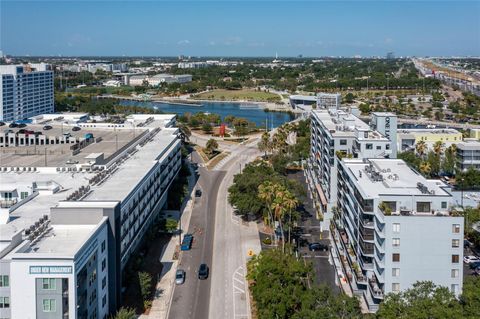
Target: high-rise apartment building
(392,228)
(25,91)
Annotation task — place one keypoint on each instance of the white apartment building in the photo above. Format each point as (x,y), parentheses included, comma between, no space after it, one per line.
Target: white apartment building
(336,134)
(468,154)
(68,230)
(392,228)
(25,91)
(328,100)
(155,80)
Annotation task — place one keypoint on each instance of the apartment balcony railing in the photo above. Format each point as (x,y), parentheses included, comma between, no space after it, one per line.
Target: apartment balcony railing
(375,289)
(7,203)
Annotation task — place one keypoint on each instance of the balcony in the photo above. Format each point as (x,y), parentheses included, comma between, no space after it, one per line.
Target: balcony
(374,288)
(7,203)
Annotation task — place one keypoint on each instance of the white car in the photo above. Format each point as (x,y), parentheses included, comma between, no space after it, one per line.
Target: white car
(470,259)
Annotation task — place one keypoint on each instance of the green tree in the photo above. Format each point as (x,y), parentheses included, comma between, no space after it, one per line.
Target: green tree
(410,158)
(423,300)
(125,313)
(211,146)
(207,128)
(171,225)
(421,148)
(448,162)
(470,298)
(146,285)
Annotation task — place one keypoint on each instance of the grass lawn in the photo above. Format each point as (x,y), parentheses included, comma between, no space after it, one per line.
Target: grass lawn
(236,95)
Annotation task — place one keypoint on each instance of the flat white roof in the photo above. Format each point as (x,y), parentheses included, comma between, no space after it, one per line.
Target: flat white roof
(398,179)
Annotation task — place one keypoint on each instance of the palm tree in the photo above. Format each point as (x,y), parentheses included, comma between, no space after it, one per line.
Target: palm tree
(438,148)
(211,146)
(266,193)
(425,168)
(265,143)
(290,203)
(279,211)
(184,132)
(421,147)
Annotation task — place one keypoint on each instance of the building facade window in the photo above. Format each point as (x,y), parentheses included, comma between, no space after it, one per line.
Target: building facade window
(4,281)
(343,142)
(103,246)
(456,228)
(395,257)
(369,146)
(395,272)
(395,287)
(49,284)
(4,302)
(455,243)
(104,264)
(455,259)
(423,207)
(455,273)
(396,227)
(444,205)
(454,288)
(49,305)
(104,282)
(396,242)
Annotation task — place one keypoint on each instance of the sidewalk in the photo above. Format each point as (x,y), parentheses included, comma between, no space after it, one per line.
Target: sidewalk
(164,289)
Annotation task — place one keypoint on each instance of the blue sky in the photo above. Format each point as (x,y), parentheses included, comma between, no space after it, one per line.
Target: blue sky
(240,28)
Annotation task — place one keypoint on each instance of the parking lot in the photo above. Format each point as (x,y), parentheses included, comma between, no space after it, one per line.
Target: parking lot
(307,232)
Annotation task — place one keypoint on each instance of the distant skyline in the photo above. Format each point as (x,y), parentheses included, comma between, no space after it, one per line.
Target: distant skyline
(240,28)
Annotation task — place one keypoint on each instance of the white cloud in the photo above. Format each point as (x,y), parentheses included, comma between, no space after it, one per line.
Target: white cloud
(232,40)
(183,42)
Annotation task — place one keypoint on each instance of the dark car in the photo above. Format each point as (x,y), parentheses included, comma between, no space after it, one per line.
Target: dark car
(198,193)
(474,265)
(318,246)
(12,125)
(22,125)
(2,123)
(22,131)
(47,127)
(203,271)
(76,128)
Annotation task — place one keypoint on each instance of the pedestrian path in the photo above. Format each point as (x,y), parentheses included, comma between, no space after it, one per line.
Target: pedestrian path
(164,288)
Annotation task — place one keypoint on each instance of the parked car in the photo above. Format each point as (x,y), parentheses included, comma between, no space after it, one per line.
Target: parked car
(187,242)
(22,125)
(474,265)
(2,123)
(180,276)
(198,193)
(203,271)
(47,127)
(76,128)
(12,125)
(318,246)
(470,259)
(22,131)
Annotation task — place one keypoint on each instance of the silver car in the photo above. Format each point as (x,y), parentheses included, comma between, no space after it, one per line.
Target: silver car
(180,276)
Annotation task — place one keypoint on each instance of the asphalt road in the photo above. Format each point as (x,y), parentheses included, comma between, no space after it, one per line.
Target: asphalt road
(192,299)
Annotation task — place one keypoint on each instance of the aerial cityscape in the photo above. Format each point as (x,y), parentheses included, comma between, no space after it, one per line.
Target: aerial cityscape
(239,159)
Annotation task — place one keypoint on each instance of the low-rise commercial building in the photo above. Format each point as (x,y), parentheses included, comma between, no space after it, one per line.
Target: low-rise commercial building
(392,228)
(68,228)
(408,138)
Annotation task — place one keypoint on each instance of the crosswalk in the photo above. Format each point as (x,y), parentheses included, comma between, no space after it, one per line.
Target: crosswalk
(240,302)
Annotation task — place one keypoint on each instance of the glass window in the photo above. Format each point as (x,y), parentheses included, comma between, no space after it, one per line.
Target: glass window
(379,147)
(455,273)
(423,207)
(4,281)
(49,283)
(396,242)
(104,264)
(343,142)
(395,287)
(369,146)
(455,243)
(395,272)
(444,205)
(455,259)
(454,289)
(396,227)
(4,302)
(456,228)
(103,246)
(396,257)
(49,305)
